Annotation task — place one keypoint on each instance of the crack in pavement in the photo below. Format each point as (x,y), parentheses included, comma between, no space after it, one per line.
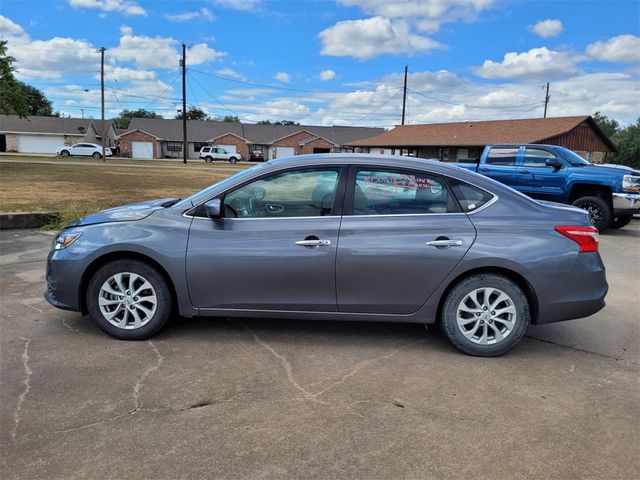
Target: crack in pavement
(308,395)
(582,350)
(138,386)
(27,387)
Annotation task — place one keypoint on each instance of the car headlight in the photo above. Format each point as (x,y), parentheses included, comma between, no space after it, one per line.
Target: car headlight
(63,240)
(631,183)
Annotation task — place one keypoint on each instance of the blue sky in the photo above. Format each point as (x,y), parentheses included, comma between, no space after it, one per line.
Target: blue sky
(333,62)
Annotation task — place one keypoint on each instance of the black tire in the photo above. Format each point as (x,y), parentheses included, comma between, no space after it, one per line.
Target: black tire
(621,221)
(449,324)
(600,213)
(208,159)
(65,153)
(162,291)
(96,155)
(233,160)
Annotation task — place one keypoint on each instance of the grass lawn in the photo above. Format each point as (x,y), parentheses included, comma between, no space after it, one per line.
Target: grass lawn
(74,191)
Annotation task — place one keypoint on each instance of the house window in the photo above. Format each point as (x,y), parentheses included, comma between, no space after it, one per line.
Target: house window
(197,146)
(444,154)
(174,147)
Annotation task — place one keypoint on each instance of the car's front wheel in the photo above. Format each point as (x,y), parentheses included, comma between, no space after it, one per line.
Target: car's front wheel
(129,299)
(485,315)
(64,153)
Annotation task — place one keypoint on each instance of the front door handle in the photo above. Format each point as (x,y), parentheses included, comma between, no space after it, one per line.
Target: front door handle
(314,243)
(444,243)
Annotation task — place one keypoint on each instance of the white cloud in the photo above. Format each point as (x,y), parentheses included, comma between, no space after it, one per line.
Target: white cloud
(159,52)
(373,36)
(238,4)
(535,63)
(284,108)
(282,77)
(327,75)
(123,74)
(623,48)
(547,28)
(231,73)
(8,28)
(122,6)
(202,14)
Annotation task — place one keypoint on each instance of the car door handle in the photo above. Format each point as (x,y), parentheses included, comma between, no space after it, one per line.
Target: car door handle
(314,243)
(444,243)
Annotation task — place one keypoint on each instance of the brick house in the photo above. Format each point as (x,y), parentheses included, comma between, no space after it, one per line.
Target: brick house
(46,134)
(464,141)
(160,138)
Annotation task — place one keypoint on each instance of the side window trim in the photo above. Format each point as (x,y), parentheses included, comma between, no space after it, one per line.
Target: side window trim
(349,195)
(518,156)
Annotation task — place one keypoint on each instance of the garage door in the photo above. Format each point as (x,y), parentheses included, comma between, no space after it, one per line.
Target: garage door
(142,150)
(229,148)
(285,152)
(39,143)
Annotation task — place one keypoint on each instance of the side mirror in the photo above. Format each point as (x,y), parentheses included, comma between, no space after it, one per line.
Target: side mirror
(213,208)
(554,163)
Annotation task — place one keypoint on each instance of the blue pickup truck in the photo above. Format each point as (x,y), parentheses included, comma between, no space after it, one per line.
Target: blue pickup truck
(610,193)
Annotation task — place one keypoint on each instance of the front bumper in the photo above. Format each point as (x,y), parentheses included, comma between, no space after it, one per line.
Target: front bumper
(63,281)
(626,203)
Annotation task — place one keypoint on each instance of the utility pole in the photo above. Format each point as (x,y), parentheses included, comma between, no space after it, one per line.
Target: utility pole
(546,100)
(185,145)
(404,96)
(102,132)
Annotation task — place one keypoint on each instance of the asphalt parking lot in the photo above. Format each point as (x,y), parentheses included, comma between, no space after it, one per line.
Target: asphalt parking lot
(216,398)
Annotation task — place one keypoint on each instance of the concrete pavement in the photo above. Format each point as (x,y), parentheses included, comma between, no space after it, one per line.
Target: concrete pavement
(214,398)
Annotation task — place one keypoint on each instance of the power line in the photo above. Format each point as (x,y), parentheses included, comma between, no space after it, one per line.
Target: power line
(378,108)
(472,106)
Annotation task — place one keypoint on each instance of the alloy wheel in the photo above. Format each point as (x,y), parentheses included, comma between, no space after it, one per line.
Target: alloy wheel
(486,316)
(127,300)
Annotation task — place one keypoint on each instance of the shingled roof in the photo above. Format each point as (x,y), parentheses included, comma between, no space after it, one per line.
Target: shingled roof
(203,131)
(60,125)
(532,130)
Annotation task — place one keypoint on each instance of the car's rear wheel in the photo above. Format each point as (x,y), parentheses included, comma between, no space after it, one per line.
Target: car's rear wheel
(208,159)
(621,221)
(599,211)
(64,153)
(96,155)
(129,299)
(485,315)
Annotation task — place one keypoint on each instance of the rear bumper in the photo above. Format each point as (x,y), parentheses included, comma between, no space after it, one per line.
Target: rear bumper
(575,293)
(626,203)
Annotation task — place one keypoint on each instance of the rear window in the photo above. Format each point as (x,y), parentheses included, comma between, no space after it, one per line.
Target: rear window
(205,149)
(469,197)
(502,156)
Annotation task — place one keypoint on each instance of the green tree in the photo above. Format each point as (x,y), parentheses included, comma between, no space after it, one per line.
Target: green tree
(124,119)
(13,99)
(627,141)
(228,119)
(263,122)
(38,104)
(609,126)
(194,113)
(286,122)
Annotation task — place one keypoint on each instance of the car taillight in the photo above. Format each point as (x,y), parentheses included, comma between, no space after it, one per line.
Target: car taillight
(585,237)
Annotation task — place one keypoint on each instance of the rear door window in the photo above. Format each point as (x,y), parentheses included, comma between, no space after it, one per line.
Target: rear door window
(380,192)
(502,156)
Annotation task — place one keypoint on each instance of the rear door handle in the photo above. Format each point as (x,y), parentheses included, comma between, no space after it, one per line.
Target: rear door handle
(444,243)
(314,243)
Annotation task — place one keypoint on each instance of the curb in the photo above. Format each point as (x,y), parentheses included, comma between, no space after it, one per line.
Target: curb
(14,221)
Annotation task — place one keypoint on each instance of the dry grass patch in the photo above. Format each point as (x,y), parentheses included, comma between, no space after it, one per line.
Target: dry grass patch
(77,190)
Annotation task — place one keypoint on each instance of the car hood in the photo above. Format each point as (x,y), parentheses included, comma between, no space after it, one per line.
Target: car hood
(124,213)
(610,169)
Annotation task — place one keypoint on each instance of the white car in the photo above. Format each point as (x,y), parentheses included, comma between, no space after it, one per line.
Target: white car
(209,154)
(84,150)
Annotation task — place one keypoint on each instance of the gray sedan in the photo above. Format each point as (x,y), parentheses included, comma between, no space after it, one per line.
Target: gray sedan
(336,237)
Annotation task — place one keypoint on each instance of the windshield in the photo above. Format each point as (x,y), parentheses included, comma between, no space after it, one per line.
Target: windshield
(206,193)
(573,158)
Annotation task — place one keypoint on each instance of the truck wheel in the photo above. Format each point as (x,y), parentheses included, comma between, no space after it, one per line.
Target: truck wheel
(600,213)
(485,315)
(621,221)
